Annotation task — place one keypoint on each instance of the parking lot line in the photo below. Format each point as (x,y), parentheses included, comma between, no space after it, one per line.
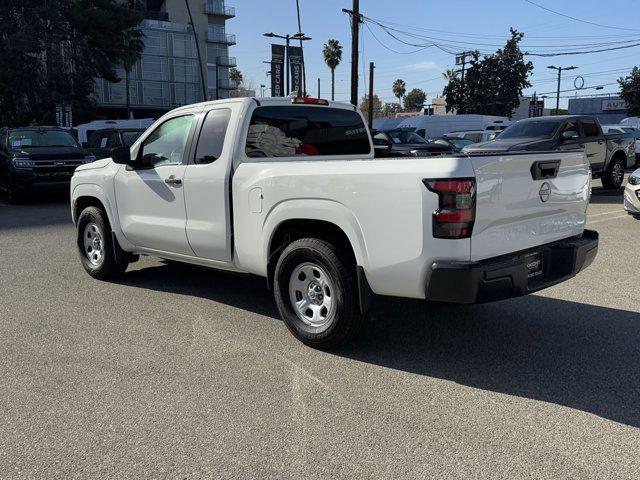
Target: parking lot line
(603,213)
(623,215)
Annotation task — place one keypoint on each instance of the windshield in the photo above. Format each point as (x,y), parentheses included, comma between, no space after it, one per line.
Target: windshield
(461,142)
(634,131)
(129,137)
(531,129)
(405,136)
(40,138)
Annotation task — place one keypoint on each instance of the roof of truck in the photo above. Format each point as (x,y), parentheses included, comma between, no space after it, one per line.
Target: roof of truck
(263,101)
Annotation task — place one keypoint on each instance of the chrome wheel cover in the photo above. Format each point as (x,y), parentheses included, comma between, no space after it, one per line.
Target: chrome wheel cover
(617,174)
(312,295)
(93,242)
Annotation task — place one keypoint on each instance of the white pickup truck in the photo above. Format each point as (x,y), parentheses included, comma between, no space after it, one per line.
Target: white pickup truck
(289,189)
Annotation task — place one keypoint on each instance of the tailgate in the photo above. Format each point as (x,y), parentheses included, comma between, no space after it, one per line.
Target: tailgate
(522,204)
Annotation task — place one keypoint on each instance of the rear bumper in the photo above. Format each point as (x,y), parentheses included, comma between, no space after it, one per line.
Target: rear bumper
(505,277)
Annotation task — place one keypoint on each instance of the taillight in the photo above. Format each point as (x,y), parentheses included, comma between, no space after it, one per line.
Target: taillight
(456,209)
(310,100)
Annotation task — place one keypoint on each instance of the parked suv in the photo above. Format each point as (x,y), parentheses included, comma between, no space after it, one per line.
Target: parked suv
(38,159)
(101,142)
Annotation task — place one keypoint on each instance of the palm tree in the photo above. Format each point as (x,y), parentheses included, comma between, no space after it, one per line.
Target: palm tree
(450,74)
(332,53)
(133,43)
(399,88)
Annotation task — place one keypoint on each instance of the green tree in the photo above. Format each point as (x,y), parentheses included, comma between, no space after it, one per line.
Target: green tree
(53,51)
(414,100)
(390,109)
(450,74)
(377,106)
(133,40)
(399,88)
(236,76)
(492,85)
(332,53)
(630,91)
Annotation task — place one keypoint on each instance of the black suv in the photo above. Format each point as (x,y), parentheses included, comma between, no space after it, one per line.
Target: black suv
(38,159)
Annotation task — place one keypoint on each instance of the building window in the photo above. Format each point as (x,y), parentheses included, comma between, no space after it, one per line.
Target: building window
(155,42)
(154,68)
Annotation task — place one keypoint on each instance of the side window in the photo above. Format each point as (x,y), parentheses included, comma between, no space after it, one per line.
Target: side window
(590,128)
(114,140)
(422,132)
(167,143)
(292,131)
(94,140)
(571,126)
(211,140)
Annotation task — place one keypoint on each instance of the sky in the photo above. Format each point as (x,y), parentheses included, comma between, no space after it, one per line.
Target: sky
(482,24)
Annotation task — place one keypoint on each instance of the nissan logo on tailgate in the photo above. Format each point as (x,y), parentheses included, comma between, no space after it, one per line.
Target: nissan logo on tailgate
(545,191)
(60,164)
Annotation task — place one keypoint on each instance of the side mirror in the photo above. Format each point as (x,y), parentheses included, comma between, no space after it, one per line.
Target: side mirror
(569,135)
(122,156)
(381,144)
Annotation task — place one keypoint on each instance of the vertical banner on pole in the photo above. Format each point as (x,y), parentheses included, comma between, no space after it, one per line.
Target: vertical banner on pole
(277,70)
(295,66)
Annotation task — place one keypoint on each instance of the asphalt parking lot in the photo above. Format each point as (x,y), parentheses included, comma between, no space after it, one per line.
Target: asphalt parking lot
(180,372)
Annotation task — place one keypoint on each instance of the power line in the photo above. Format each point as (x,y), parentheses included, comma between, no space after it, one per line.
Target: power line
(579,19)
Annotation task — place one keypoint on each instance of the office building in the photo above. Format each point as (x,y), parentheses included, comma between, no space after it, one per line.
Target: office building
(168,74)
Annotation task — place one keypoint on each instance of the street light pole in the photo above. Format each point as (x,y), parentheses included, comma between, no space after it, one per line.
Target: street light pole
(287,38)
(559,69)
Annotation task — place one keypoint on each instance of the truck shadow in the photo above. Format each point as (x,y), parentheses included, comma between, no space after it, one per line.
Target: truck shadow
(600,196)
(571,354)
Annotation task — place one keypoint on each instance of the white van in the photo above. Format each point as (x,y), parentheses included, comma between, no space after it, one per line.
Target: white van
(87,129)
(432,126)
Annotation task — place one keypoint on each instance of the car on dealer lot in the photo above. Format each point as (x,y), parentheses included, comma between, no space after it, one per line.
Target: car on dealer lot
(632,194)
(608,154)
(404,142)
(289,189)
(626,129)
(38,159)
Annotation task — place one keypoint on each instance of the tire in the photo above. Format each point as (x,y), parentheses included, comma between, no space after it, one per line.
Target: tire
(614,175)
(95,245)
(316,272)
(13,197)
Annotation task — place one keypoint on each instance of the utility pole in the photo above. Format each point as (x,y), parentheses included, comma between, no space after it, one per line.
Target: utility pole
(461,59)
(319,87)
(559,69)
(355,30)
(371,68)
(304,73)
(195,37)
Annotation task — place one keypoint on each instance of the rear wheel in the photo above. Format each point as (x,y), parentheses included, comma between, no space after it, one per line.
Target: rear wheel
(95,245)
(614,176)
(316,293)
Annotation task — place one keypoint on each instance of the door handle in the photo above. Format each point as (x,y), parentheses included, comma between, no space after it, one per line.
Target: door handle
(172,181)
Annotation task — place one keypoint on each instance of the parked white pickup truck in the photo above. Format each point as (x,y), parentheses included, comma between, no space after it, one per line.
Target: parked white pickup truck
(289,189)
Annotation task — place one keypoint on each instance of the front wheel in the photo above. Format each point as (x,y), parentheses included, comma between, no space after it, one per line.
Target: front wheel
(95,245)
(614,176)
(316,293)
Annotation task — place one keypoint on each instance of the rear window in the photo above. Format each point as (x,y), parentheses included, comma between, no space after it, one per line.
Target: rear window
(291,131)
